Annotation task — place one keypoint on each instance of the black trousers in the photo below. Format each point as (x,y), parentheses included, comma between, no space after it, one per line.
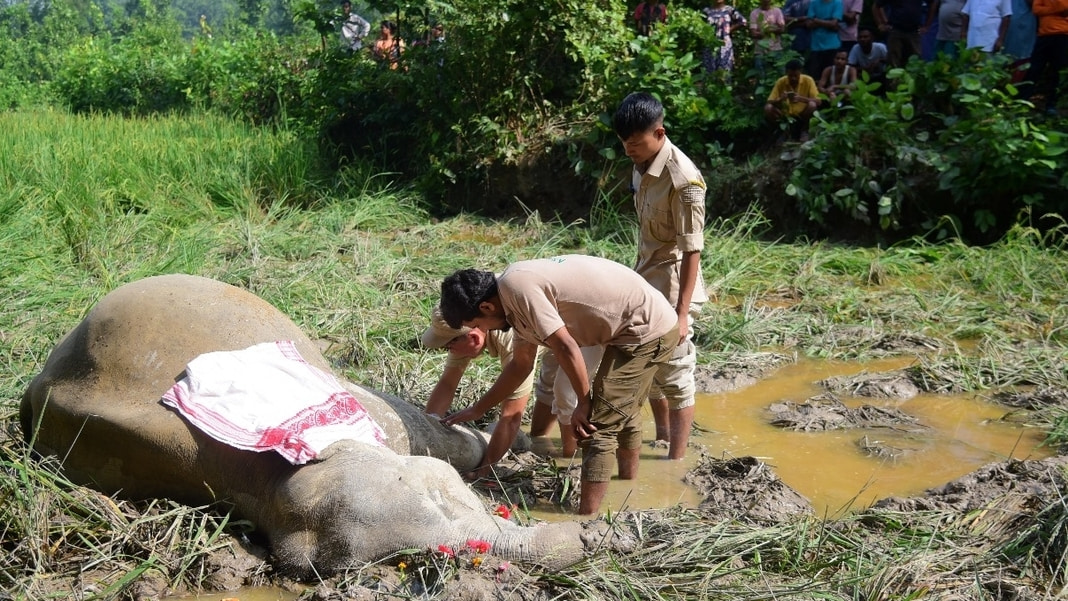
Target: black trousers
(1050,51)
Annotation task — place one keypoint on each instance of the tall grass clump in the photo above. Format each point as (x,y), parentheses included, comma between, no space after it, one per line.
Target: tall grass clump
(1042,546)
(80,187)
(65,541)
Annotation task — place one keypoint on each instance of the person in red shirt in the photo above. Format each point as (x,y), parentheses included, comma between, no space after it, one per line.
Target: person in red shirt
(648,14)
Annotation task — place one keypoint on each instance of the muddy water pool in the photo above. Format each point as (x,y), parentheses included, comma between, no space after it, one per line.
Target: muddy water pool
(829,468)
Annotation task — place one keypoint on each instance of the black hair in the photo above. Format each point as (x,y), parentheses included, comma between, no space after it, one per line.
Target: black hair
(462,292)
(639,112)
(867,29)
(794,64)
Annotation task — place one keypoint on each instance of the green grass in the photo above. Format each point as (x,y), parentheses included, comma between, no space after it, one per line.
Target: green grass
(90,203)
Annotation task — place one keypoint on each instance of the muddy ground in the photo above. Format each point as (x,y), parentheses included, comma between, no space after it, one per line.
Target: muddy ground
(742,489)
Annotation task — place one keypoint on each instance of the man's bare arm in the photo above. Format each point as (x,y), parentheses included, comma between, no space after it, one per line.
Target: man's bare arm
(569,356)
(515,371)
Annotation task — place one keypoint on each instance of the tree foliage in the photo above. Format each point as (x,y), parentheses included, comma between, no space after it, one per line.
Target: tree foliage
(949,149)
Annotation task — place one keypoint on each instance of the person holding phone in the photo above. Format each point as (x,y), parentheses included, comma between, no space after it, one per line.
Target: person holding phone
(793,100)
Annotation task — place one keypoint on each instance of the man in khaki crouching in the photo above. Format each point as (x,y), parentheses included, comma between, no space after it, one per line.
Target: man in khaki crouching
(566,303)
(464,344)
(553,394)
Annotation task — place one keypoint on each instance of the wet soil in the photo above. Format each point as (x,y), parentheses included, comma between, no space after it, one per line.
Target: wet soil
(743,489)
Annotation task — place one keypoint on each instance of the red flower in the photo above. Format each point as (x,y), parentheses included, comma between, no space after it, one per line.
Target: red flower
(503,511)
(478,546)
(446,550)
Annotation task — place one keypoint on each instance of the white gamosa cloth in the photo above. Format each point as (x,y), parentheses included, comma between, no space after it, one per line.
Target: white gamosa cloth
(267,397)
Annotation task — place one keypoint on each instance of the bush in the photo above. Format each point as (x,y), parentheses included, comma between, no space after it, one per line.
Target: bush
(547,79)
(140,73)
(256,75)
(153,70)
(971,155)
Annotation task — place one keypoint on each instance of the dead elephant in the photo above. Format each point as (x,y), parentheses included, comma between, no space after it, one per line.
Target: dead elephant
(97,405)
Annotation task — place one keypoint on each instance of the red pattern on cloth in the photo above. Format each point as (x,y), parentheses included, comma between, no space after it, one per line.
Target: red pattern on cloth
(267,397)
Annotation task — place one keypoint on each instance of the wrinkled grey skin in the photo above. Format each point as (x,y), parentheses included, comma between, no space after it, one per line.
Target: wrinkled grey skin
(97,405)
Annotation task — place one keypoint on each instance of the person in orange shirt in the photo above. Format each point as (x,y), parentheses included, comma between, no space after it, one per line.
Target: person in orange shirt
(1051,50)
(388,48)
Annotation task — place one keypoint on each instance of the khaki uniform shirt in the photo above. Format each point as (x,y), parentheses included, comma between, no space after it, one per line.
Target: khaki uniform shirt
(670,199)
(498,344)
(600,301)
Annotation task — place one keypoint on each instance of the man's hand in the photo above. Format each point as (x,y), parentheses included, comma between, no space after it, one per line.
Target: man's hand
(580,419)
(478,473)
(465,415)
(684,326)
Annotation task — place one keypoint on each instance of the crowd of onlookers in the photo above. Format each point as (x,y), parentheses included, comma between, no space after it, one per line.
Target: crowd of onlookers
(834,50)
(388,46)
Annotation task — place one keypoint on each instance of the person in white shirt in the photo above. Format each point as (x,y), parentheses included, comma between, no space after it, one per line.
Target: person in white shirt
(354,28)
(985,23)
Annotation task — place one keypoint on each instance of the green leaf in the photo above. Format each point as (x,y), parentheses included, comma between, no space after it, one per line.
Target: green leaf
(946,180)
(972,82)
(886,205)
(984,220)
(907,111)
(791,190)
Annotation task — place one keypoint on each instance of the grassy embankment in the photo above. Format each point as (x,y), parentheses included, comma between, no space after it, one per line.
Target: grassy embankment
(88,204)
